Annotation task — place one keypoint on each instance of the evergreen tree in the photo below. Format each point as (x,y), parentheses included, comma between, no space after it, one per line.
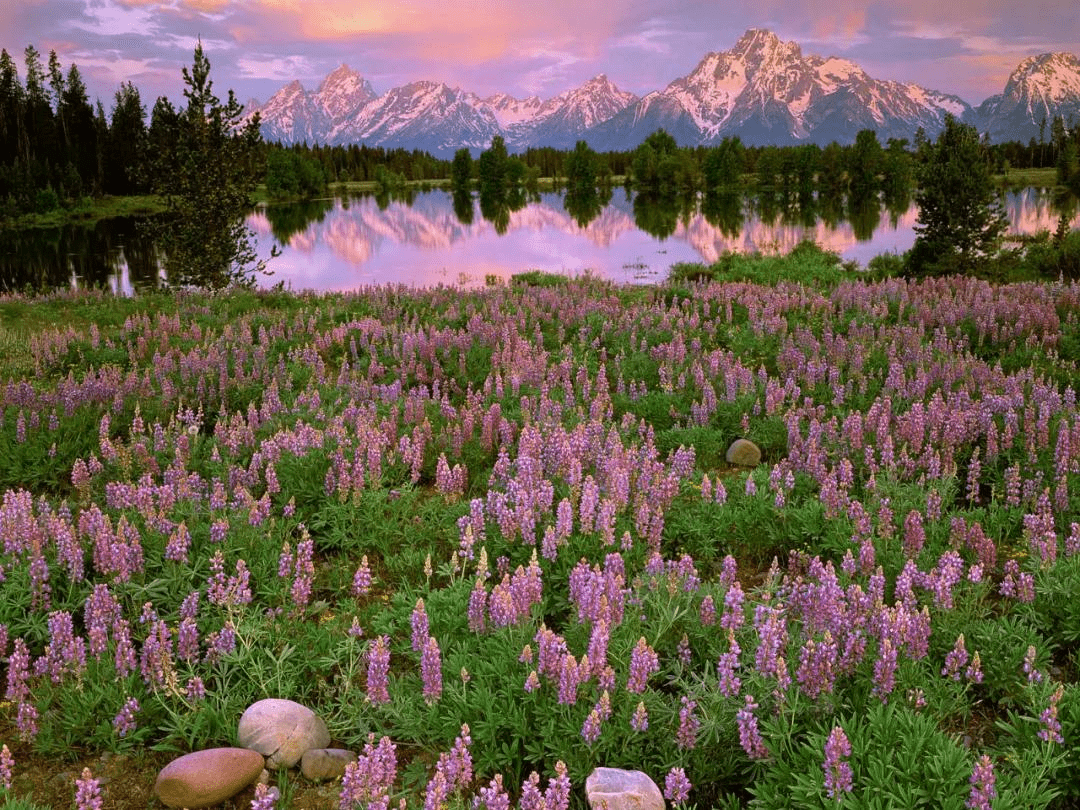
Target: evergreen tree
(491,168)
(126,143)
(461,171)
(79,133)
(723,165)
(580,169)
(207,185)
(960,220)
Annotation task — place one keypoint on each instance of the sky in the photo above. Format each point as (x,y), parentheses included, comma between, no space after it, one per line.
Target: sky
(522,47)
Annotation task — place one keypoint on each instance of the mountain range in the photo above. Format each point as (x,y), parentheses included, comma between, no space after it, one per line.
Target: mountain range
(763,90)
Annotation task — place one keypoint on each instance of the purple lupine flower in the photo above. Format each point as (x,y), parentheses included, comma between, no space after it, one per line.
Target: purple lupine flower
(87,792)
(26,717)
(974,670)
(361,583)
(1033,675)
(817,666)
(532,682)
(956,659)
(124,722)
(557,795)
(493,797)
(420,629)
(378,670)
(220,643)
(707,611)
(838,775)
(179,544)
(590,731)
(478,599)
(7,767)
(18,672)
(726,667)
(570,677)
(982,785)
(749,736)
(686,736)
(370,777)
(640,719)
(1051,726)
(431,670)
(303,571)
(677,786)
(885,669)
(195,689)
(644,662)
(265,797)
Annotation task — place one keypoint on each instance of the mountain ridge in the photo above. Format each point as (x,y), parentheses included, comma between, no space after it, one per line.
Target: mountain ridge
(763,90)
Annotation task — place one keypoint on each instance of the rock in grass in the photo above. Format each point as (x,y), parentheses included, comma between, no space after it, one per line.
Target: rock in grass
(616,789)
(281,730)
(744,453)
(208,777)
(318,764)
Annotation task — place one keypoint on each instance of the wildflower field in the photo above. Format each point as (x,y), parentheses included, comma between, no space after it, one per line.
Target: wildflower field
(491,537)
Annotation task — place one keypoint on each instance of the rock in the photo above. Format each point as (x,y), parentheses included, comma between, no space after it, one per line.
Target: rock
(318,764)
(744,453)
(281,730)
(616,789)
(208,777)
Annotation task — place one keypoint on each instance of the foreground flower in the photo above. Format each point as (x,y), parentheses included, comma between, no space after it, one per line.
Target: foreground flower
(837,770)
(677,786)
(87,792)
(982,785)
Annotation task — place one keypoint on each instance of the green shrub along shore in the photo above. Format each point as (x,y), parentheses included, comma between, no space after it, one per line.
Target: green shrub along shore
(511,509)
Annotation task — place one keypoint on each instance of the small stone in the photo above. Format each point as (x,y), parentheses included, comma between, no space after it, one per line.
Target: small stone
(263,778)
(319,764)
(281,730)
(617,789)
(208,777)
(744,453)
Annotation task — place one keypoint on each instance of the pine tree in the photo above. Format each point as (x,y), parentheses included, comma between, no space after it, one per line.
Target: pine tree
(206,183)
(126,143)
(960,220)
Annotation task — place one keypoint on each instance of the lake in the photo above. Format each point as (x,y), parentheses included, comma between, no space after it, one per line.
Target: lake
(344,243)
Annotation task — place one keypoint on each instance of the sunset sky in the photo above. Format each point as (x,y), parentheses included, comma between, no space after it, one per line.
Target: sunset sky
(523,47)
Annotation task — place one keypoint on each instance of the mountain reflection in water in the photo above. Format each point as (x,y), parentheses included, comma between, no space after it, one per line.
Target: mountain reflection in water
(433,238)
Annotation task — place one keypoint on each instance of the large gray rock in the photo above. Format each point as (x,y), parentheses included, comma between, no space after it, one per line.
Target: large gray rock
(319,764)
(616,789)
(208,777)
(281,730)
(744,453)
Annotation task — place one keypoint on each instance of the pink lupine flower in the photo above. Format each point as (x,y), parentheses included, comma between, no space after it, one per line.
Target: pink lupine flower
(1051,726)
(677,786)
(640,720)
(749,736)
(982,785)
(378,670)
(7,767)
(838,777)
(124,722)
(87,792)
(644,662)
(361,584)
(431,670)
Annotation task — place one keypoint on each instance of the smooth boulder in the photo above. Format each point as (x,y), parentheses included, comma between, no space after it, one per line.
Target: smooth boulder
(617,789)
(744,453)
(281,730)
(208,777)
(319,764)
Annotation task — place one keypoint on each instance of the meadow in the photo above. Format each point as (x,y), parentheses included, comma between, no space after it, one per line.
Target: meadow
(491,537)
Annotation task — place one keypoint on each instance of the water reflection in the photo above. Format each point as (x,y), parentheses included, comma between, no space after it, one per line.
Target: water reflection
(437,238)
(111,254)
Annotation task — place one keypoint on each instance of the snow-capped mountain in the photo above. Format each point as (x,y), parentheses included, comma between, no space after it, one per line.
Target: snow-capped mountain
(561,120)
(294,114)
(765,91)
(1042,87)
(421,115)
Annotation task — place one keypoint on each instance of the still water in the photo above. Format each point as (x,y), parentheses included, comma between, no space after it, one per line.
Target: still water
(426,239)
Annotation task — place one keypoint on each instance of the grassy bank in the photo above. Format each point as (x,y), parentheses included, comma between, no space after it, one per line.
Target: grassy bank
(511,509)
